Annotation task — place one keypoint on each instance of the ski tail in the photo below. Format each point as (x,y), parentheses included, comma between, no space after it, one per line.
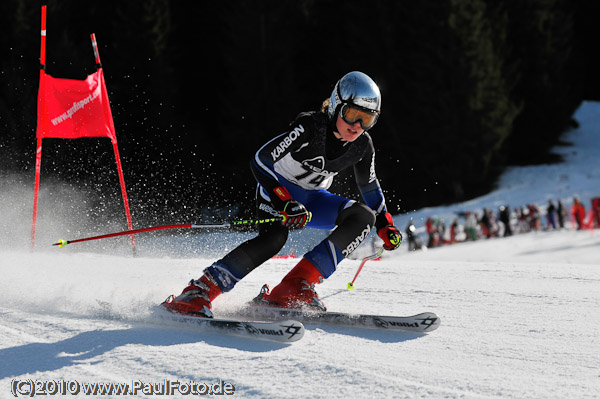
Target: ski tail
(281,330)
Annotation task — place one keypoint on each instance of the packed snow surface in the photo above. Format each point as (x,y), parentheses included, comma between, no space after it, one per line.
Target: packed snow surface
(519,314)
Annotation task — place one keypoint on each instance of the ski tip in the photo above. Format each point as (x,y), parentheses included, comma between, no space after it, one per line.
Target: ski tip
(293,330)
(283,331)
(430,321)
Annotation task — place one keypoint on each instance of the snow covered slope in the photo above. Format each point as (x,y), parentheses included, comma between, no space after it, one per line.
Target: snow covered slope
(519,314)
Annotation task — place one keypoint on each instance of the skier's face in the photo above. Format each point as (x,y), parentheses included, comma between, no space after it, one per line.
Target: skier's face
(346,131)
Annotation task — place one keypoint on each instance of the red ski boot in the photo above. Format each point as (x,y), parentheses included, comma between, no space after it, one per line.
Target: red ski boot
(196,298)
(296,290)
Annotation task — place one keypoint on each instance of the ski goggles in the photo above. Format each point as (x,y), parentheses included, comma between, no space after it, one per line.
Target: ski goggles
(352,114)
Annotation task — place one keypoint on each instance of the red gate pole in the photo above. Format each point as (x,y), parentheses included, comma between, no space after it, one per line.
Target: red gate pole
(38,153)
(114,142)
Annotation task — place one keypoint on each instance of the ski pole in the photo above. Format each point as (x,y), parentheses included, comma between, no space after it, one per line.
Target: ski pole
(238,223)
(374,256)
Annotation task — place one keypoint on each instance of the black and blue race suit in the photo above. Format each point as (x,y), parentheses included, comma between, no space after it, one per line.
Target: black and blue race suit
(305,159)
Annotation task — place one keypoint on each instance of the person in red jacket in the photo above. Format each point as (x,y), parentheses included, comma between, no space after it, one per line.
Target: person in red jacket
(596,211)
(578,213)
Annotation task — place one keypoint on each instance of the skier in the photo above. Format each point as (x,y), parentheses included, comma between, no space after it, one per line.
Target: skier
(294,171)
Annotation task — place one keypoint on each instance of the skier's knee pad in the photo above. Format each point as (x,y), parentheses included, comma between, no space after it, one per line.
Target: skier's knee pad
(354,225)
(358,215)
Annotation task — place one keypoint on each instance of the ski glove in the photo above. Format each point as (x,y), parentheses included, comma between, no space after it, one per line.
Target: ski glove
(391,236)
(295,215)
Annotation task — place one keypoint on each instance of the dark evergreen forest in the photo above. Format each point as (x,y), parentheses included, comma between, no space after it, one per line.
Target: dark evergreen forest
(196,87)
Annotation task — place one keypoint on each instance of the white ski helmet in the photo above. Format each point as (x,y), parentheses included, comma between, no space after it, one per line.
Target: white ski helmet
(357,91)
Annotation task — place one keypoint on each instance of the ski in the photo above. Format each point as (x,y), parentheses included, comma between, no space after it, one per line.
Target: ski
(420,323)
(281,330)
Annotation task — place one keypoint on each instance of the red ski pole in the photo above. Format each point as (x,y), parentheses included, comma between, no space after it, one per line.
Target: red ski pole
(374,256)
(239,223)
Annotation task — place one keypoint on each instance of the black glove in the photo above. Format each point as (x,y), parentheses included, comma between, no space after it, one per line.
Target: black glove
(295,215)
(391,236)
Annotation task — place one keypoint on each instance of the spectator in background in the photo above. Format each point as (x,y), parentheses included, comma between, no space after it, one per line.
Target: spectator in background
(534,217)
(440,226)
(471,226)
(453,230)
(537,216)
(550,215)
(485,223)
(494,230)
(411,233)
(525,215)
(521,226)
(431,232)
(504,217)
(560,210)
(596,211)
(578,213)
